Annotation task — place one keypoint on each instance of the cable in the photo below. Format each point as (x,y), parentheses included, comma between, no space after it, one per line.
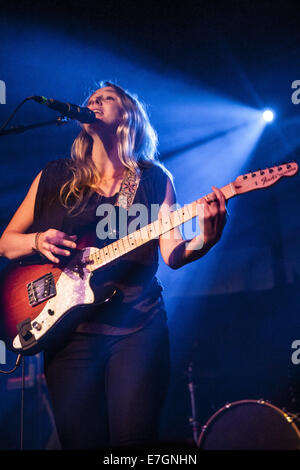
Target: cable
(18,361)
(14,112)
(22,406)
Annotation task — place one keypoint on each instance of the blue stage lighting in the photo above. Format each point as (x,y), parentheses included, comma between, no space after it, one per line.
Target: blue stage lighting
(268,115)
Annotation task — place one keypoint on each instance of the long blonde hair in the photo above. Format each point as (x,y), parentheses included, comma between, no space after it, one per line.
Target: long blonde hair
(136,145)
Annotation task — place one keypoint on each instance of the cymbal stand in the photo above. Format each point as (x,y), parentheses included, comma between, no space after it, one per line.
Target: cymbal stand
(191,387)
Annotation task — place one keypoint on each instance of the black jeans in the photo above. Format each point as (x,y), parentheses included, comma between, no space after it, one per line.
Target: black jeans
(108,391)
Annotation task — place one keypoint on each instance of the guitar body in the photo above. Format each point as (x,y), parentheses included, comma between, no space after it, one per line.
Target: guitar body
(37,300)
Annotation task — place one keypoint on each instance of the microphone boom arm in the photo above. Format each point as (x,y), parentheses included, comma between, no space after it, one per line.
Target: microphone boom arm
(59,121)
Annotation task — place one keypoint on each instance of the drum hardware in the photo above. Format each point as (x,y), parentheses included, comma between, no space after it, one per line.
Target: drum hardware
(193,421)
(191,387)
(292,417)
(253,424)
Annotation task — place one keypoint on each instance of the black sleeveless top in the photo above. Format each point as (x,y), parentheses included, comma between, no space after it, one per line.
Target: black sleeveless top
(135,271)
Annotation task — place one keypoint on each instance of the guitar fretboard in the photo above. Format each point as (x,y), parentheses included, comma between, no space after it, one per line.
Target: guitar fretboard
(149,232)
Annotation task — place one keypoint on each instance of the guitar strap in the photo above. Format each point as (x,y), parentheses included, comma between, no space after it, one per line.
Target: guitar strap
(128,189)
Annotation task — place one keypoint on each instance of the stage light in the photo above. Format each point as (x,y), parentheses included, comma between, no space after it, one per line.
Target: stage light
(268,115)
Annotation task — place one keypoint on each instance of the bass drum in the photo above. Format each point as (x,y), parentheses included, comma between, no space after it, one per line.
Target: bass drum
(249,425)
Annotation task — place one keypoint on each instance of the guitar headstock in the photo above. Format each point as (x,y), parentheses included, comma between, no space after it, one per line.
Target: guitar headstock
(264,178)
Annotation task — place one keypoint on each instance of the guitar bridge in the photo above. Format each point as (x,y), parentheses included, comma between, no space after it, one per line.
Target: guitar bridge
(41,289)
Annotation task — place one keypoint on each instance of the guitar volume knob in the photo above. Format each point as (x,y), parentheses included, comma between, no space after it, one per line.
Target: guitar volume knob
(36,325)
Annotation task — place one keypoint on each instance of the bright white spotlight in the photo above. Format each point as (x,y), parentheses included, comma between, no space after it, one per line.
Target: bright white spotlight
(268,115)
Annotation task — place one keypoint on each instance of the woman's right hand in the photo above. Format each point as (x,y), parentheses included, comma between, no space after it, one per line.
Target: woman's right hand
(48,243)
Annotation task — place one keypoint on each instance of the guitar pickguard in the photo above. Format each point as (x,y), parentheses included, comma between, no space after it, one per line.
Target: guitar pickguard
(72,290)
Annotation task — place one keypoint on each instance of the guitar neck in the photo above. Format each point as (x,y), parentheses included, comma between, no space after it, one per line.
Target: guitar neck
(150,232)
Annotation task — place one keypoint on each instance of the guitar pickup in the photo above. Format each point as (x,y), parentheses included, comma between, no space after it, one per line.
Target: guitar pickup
(41,289)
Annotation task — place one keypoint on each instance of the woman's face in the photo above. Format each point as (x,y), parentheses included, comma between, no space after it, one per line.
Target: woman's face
(107,105)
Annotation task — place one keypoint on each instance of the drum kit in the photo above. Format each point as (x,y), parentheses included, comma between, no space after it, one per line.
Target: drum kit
(245,425)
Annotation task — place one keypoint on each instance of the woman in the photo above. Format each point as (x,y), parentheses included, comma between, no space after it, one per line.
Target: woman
(109,378)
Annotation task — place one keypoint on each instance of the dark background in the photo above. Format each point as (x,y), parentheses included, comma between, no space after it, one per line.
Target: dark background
(234,314)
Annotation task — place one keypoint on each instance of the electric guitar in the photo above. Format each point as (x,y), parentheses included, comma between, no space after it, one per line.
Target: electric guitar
(42,300)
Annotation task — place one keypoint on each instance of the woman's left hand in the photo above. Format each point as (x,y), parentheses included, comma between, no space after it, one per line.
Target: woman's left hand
(214,217)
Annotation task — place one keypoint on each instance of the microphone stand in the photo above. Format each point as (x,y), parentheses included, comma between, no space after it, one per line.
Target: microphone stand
(19,129)
(59,121)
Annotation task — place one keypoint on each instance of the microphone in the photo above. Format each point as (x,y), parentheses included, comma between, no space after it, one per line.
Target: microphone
(72,111)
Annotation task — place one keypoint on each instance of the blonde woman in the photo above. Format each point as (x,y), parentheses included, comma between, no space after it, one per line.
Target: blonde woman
(108,379)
